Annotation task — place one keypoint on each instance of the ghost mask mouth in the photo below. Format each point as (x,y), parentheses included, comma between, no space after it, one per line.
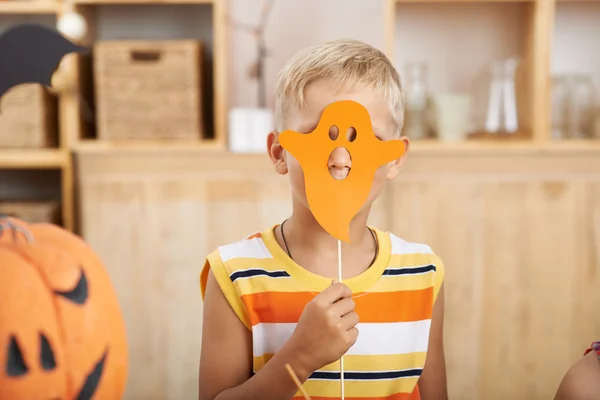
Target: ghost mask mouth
(340,160)
(339,163)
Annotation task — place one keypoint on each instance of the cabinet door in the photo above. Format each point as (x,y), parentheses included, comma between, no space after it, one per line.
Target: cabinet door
(522,272)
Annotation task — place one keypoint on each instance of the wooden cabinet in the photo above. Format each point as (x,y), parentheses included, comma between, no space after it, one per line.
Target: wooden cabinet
(522,276)
(519,233)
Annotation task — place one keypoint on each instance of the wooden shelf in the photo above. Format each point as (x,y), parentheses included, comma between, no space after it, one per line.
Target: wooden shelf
(466,1)
(142,2)
(574,145)
(29,7)
(93,145)
(486,146)
(33,159)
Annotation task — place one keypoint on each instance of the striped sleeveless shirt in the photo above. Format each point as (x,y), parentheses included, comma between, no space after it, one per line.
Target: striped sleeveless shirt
(394,300)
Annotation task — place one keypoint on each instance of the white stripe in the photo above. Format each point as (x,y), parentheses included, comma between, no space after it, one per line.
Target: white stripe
(247,248)
(401,246)
(379,338)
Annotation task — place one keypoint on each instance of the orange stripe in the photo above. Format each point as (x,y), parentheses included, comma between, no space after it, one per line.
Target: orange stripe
(398,396)
(401,306)
(254,236)
(415,395)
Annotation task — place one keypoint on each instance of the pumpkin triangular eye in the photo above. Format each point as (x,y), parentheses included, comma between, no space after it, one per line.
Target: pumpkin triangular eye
(46,354)
(79,293)
(15,364)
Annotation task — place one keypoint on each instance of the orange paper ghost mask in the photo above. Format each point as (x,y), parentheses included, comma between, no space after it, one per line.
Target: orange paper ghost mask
(334,203)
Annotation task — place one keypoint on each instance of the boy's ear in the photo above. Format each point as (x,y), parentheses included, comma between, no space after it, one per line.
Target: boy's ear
(396,165)
(276,153)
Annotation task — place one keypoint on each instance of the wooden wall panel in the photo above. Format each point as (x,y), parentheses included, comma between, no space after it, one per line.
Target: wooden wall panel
(448,215)
(153,234)
(526,253)
(522,260)
(519,235)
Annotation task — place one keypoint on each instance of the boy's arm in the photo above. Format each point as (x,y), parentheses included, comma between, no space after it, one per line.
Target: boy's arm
(226,357)
(582,381)
(432,383)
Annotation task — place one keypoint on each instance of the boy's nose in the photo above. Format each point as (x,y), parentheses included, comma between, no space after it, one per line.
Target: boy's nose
(339,163)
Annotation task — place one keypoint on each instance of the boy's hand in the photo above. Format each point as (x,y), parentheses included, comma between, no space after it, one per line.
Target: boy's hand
(326,329)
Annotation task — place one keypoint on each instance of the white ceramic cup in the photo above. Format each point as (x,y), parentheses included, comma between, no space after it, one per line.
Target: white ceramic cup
(248,129)
(451,115)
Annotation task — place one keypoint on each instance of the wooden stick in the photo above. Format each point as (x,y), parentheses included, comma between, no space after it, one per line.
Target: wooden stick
(340,280)
(297,381)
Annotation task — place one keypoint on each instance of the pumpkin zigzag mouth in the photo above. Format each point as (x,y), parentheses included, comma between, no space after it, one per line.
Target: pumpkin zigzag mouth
(93,379)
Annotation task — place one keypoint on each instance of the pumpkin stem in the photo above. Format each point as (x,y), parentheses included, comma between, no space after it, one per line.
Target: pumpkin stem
(6,224)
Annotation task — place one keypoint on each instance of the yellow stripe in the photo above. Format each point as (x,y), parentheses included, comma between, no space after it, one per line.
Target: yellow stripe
(222,278)
(388,362)
(385,284)
(368,389)
(243,263)
(273,264)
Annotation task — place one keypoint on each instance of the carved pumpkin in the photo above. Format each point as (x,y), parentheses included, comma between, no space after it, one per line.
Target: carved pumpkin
(62,334)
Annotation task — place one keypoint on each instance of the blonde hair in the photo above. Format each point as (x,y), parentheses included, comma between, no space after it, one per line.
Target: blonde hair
(345,62)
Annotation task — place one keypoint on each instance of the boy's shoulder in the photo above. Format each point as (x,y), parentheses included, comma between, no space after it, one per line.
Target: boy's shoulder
(400,248)
(416,260)
(231,261)
(251,246)
(405,247)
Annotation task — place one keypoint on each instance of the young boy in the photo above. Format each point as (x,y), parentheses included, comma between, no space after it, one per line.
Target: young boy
(270,299)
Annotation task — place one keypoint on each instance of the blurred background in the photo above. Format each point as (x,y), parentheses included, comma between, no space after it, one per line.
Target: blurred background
(152,147)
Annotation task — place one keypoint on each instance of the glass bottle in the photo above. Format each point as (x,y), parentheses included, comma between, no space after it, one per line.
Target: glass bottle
(502,103)
(416,118)
(560,92)
(580,106)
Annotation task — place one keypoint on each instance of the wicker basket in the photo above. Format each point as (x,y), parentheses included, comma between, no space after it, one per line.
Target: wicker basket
(149,89)
(32,212)
(28,118)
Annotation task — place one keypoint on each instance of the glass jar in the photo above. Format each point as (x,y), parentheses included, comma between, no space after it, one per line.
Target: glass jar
(580,106)
(560,93)
(416,124)
(502,102)
(596,134)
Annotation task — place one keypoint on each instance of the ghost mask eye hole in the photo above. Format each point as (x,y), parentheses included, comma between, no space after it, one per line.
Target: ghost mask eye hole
(351,134)
(333,132)
(46,354)
(15,364)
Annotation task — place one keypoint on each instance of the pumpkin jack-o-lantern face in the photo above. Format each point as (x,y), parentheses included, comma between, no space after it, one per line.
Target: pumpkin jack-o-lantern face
(62,334)
(31,357)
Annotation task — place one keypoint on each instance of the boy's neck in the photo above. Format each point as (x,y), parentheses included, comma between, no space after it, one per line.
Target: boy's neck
(304,229)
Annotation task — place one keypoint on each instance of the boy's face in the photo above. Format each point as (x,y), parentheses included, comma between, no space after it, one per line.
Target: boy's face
(319,95)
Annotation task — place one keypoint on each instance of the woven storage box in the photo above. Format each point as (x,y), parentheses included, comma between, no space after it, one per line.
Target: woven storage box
(27,118)
(32,212)
(148,89)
